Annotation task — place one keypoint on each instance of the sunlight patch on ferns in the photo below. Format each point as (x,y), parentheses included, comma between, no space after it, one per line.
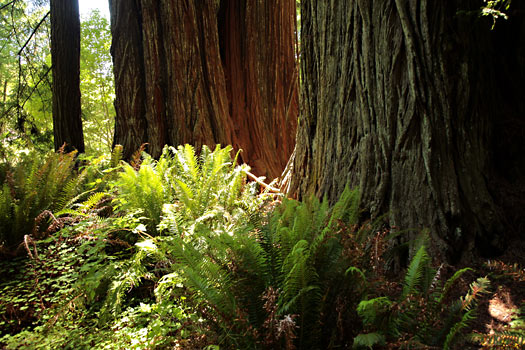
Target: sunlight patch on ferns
(420,313)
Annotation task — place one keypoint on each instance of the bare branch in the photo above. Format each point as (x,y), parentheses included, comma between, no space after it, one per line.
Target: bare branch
(9,3)
(33,33)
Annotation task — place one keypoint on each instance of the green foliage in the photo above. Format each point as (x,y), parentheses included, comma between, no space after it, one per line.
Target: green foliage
(25,81)
(96,83)
(214,251)
(184,252)
(55,311)
(512,334)
(186,187)
(496,9)
(32,187)
(25,84)
(144,190)
(513,337)
(230,267)
(421,314)
(368,340)
(133,290)
(33,287)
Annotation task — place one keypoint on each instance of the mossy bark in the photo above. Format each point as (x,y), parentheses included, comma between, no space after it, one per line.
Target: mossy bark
(416,103)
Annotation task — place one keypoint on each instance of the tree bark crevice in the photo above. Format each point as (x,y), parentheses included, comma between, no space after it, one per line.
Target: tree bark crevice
(214,72)
(396,104)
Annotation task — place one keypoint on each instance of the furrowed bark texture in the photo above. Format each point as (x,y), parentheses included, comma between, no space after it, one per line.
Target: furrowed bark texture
(65,57)
(258,47)
(207,72)
(417,105)
(130,127)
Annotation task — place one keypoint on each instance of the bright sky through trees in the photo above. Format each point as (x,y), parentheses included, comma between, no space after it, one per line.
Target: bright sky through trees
(87,6)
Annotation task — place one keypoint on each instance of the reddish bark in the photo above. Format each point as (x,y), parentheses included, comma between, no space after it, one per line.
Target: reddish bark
(213,72)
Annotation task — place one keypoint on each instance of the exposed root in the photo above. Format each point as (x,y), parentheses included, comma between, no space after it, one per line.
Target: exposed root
(269,188)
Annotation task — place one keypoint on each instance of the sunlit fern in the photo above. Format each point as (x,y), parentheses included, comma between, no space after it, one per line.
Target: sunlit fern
(512,336)
(296,252)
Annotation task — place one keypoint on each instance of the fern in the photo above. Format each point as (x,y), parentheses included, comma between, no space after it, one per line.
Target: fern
(369,340)
(373,311)
(468,305)
(145,190)
(37,185)
(81,209)
(512,336)
(214,245)
(416,270)
(116,156)
(506,339)
(450,282)
(419,313)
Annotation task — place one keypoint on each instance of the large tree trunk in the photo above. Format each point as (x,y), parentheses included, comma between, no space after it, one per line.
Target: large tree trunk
(420,106)
(258,49)
(128,58)
(206,72)
(65,57)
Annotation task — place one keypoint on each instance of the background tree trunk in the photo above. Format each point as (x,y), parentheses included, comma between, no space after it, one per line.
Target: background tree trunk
(128,63)
(207,72)
(258,48)
(65,56)
(419,105)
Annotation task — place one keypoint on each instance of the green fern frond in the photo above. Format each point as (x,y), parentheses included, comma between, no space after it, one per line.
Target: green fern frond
(298,273)
(352,270)
(347,207)
(369,340)
(188,162)
(145,190)
(371,310)
(415,272)
(39,185)
(116,156)
(458,327)
(507,339)
(450,283)
(479,287)
(468,306)
(93,200)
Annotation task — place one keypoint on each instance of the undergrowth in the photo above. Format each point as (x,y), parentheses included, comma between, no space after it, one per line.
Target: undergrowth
(32,187)
(185,252)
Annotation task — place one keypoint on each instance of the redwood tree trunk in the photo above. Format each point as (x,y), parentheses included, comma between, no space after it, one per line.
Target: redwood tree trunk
(258,49)
(65,57)
(419,105)
(207,72)
(130,131)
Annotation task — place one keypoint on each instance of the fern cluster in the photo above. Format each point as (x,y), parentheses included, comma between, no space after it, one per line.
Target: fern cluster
(421,317)
(186,252)
(182,196)
(512,334)
(205,239)
(33,186)
(230,265)
(188,186)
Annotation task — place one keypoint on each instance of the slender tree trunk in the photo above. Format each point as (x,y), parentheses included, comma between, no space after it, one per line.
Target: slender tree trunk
(207,72)
(65,56)
(419,105)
